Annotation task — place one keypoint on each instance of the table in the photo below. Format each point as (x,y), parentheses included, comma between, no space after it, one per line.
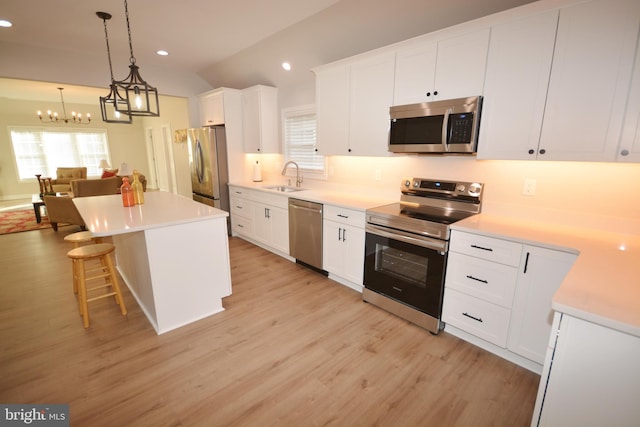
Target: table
(172,253)
(37,202)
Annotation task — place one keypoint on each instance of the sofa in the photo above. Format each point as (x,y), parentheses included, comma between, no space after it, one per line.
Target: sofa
(64,176)
(63,210)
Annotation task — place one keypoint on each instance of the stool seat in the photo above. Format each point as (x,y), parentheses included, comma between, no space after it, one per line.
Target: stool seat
(104,273)
(81,237)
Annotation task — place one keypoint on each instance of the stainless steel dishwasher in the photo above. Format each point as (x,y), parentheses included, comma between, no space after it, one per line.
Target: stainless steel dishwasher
(305,232)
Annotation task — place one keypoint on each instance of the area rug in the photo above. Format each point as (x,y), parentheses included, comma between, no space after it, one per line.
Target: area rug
(15,221)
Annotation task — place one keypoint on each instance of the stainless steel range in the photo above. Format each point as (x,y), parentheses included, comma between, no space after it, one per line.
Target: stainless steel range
(406,247)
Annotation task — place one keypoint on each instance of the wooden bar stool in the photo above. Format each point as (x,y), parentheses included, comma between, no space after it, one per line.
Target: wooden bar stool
(106,271)
(77,239)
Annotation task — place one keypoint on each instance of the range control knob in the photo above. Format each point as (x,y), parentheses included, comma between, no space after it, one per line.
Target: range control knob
(407,183)
(475,189)
(460,188)
(416,184)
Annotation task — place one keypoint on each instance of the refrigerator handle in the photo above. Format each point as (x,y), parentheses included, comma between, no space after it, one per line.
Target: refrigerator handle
(199,161)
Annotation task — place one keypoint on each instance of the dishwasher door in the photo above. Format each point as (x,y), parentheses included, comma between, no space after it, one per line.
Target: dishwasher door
(305,232)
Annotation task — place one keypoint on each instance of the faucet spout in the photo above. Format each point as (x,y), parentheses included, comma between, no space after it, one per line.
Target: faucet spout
(298,176)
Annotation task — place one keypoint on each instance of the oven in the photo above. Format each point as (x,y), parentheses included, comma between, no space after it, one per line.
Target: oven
(406,248)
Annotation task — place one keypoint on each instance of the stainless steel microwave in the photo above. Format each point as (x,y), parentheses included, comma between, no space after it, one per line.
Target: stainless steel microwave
(449,126)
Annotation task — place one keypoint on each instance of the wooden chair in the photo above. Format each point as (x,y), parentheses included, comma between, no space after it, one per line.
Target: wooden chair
(109,284)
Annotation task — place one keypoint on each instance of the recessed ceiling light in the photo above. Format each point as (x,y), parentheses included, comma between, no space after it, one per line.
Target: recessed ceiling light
(286,66)
(162,53)
(5,23)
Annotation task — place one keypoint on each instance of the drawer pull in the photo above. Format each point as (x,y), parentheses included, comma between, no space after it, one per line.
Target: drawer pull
(343,216)
(240,226)
(238,207)
(396,289)
(476,279)
(482,248)
(477,319)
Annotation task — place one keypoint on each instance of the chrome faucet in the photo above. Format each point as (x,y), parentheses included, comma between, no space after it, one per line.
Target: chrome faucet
(298,176)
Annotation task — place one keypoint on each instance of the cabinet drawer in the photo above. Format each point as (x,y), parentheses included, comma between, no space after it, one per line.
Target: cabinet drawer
(240,192)
(276,200)
(344,216)
(496,250)
(241,207)
(242,225)
(477,317)
(490,281)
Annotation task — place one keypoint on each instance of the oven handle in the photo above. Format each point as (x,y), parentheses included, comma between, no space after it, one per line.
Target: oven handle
(402,236)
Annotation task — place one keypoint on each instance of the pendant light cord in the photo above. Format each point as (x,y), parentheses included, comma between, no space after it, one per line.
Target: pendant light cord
(106,37)
(126,13)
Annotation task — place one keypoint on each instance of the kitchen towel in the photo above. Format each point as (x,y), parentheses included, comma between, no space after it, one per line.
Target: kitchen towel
(257,172)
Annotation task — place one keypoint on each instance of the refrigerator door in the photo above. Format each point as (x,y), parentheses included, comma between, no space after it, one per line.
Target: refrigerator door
(203,159)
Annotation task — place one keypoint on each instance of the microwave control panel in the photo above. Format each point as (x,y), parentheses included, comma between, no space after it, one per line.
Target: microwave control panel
(460,128)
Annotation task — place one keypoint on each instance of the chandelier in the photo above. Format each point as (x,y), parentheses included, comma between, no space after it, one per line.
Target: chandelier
(109,104)
(141,98)
(54,118)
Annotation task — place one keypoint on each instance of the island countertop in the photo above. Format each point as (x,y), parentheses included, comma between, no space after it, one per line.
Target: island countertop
(105,215)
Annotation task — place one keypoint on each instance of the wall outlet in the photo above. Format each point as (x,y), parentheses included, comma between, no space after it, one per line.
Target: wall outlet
(378,175)
(529,187)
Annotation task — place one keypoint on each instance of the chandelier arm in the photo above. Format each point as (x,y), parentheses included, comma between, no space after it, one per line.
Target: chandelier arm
(64,110)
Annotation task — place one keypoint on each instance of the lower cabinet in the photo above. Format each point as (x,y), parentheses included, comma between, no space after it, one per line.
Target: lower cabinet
(500,291)
(271,226)
(343,245)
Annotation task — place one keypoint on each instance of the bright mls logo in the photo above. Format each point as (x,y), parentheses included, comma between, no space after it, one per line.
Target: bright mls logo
(35,415)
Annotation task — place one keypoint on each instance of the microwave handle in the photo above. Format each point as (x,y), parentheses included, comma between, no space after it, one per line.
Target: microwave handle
(445,130)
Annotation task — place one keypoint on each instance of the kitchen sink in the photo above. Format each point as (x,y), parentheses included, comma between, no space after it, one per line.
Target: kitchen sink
(283,188)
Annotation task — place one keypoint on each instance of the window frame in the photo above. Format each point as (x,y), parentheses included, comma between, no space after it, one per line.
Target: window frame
(297,111)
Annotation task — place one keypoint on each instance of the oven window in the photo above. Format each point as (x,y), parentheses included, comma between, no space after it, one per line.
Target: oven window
(411,268)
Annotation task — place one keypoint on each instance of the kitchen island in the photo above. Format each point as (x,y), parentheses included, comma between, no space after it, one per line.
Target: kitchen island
(172,252)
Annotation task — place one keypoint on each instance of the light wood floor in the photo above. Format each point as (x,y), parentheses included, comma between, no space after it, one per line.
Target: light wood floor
(293,348)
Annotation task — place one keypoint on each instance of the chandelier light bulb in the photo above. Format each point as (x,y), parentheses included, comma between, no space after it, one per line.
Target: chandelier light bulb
(138,102)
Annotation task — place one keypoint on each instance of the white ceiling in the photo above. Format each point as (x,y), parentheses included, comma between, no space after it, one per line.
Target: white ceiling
(224,43)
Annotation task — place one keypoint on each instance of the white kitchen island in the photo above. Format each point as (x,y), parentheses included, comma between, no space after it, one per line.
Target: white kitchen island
(172,252)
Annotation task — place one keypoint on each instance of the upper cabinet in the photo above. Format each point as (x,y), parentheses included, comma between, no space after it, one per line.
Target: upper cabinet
(212,106)
(515,90)
(450,67)
(352,105)
(577,112)
(260,119)
(629,149)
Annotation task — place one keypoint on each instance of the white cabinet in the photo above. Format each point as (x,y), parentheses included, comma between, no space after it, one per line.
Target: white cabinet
(591,377)
(452,67)
(371,97)
(332,108)
(515,91)
(541,273)
(343,239)
(219,106)
(352,104)
(271,220)
(589,83)
(629,149)
(500,291)
(241,211)
(260,119)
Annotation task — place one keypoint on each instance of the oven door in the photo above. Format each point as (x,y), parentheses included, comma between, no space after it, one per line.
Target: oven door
(406,268)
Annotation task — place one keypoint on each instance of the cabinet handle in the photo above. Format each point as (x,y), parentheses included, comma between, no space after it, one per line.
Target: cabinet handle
(339,230)
(344,234)
(240,226)
(526,264)
(477,319)
(396,289)
(343,216)
(531,151)
(267,213)
(238,207)
(482,248)
(624,152)
(542,151)
(476,279)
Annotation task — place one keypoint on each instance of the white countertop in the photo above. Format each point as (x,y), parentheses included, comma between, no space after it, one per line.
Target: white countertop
(105,215)
(602,287)
(347,199)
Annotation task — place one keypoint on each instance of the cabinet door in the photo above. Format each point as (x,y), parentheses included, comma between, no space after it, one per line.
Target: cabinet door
(415,73)
(353,241)
(629,150)
(212,109)
(460,65)
(518,69)
(589,81)
(279,222)
(541,273)
(261,223)
(332,248)
(260,119)
(371,97)
(332,109)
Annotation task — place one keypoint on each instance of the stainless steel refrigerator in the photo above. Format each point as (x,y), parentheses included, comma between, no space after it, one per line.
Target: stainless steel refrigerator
(209,170)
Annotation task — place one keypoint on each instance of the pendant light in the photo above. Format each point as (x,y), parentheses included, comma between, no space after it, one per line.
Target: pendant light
(109,104)
(142,98)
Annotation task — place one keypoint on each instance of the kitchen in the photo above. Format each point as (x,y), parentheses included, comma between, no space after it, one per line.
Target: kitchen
(563,190)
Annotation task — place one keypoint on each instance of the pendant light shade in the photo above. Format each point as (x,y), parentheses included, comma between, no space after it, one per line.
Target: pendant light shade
(141,97)
(110,104)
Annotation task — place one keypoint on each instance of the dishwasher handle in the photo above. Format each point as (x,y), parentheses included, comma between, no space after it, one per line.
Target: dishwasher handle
(304,208)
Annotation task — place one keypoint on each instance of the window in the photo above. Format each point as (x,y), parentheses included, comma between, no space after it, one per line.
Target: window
(42,151)
(299,128)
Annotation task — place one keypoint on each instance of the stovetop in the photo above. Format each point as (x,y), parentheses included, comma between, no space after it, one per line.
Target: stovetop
(428,207)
